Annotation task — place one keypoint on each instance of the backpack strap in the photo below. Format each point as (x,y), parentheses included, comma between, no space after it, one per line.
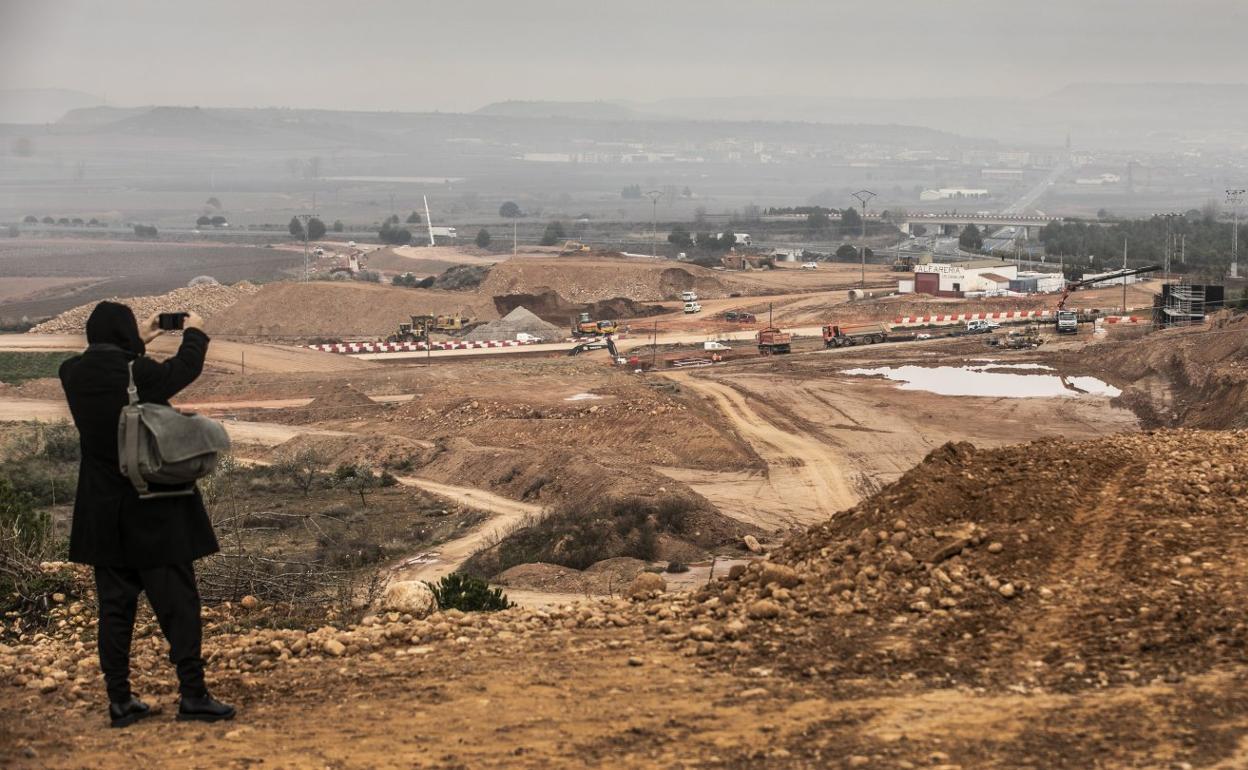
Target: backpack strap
(131,448)
(132,392)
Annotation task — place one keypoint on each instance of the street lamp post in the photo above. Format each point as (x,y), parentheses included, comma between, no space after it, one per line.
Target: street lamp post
(654,196)
(863,196)
(1234,197)
(304,219)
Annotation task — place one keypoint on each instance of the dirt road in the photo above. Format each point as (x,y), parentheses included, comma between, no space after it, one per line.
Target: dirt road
(222,354)
(433,565)
(805,481)
(241,431)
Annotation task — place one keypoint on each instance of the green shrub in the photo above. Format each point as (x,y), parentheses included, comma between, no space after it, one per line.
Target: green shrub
(466,593)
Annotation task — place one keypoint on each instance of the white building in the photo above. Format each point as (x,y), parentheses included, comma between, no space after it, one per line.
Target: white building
(956,279)
(952,193)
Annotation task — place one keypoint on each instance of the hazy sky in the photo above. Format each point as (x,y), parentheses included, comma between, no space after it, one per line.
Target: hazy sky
(453,56)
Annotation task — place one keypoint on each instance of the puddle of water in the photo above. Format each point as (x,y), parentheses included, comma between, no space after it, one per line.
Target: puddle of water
(583,397)
(973,381)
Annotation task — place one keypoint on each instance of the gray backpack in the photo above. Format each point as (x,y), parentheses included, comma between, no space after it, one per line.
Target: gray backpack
(158,444)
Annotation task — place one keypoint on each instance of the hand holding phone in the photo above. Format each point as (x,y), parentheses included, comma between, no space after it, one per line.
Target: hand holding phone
(171,321)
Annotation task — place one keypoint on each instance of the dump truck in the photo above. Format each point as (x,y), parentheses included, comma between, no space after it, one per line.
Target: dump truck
(771,340)
(844,335)
(584,326)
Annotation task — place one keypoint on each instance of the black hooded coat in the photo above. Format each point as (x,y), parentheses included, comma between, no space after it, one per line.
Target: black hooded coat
(112,527)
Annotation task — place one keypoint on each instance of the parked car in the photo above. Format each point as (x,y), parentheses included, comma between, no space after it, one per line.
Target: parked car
(810,265)
(688,296)
(692,307)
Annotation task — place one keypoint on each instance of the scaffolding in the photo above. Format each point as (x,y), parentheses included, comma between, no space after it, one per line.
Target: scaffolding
(1184,305)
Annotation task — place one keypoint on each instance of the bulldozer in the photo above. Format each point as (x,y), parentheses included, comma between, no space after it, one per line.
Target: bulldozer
(584,326)
(449,323)
(415,331)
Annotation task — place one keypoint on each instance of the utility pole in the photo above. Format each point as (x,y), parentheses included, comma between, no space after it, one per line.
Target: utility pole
(304,219)
(513,237)
(863,196)
(1124,278)
(654,196)
(1234,197)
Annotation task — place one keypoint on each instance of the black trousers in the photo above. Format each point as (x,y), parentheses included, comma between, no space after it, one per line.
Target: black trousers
(174,598)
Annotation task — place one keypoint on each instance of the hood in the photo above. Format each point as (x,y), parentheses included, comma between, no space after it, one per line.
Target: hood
(112,323)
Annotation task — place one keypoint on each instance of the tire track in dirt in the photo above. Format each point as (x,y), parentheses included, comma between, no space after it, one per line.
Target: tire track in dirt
(805,476)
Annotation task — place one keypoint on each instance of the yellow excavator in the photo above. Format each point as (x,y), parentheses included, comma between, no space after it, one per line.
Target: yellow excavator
(574,247)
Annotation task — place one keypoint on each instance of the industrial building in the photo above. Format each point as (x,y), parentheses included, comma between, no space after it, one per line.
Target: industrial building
(1037,283)
(952,193)
(958,279)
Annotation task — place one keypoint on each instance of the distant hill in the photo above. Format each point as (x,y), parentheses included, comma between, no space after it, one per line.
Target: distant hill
(41,105)
(542,109)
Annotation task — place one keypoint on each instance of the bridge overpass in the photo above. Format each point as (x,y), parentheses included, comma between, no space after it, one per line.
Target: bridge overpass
(952,224)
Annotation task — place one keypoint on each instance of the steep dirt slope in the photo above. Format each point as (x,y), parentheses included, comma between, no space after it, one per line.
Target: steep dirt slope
(1194,376)
(1054,564)
(295,310)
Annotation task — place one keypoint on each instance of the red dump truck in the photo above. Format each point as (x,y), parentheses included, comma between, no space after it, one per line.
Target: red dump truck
(772,340)
(842,335)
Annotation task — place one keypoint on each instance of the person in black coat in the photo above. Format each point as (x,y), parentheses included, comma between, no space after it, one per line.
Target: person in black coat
(137,545)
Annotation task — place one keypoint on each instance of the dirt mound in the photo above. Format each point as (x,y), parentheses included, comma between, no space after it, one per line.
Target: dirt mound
(207,299)
(1053,564)
(461,277)
(518,321)
(543,577)
(298,311)
(581,281)
(549,306)
(341,403)
(378,451)
(609,576)
(1194,377)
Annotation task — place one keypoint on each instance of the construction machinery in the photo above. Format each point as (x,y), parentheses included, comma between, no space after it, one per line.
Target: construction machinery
(1068,320)
(904,263)
(584,326)
(772,340)
(740,316)
(417,330)
(574,247)
(844,335)
(595,344)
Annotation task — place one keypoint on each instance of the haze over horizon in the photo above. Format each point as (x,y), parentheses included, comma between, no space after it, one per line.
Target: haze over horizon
(383,55)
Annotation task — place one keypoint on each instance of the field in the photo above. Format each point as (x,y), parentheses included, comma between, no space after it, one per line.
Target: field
(16,367)
(81,271)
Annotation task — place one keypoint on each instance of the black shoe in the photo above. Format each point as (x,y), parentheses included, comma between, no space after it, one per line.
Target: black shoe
(128,712)
(205,709)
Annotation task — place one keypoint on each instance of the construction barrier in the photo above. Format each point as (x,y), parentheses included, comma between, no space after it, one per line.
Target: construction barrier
(396,347)
(1126,319)
(1007,317)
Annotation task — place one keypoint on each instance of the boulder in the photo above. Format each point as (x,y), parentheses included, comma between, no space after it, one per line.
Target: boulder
(786,577)
(409,597)
(752,545)
(645,585)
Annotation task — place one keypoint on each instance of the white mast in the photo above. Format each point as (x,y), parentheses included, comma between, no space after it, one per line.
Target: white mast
(428,220)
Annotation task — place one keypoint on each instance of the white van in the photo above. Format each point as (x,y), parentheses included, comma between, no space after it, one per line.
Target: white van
(692,307)
(810,265)
(688,296)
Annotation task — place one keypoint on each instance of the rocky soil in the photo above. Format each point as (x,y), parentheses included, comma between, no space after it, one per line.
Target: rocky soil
(982,584)
(207,299)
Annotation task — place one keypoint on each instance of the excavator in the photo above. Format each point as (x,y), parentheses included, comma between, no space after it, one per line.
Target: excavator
(594,344)
(1068,320)
(584,326)
(574,247)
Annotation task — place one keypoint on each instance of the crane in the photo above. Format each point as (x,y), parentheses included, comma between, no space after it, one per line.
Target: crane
(1124,273)
(1068,320)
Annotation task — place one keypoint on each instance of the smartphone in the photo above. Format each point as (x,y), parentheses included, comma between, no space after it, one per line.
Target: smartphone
(172,321)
